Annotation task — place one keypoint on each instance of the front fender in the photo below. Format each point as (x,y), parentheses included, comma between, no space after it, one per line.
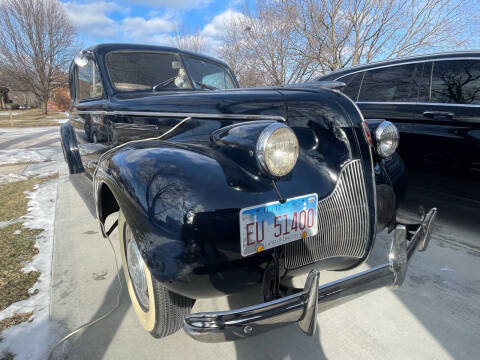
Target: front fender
(183,211)
(182,202)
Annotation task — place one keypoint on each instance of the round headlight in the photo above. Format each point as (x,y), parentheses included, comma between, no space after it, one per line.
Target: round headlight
(386,139)
(277,150)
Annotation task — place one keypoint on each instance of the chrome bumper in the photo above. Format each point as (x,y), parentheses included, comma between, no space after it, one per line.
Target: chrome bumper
(303,306)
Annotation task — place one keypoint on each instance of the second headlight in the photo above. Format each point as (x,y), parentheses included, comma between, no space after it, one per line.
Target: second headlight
(387,138)
(277,150)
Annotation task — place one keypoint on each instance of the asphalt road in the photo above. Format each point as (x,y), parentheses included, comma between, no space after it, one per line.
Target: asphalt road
(435,315)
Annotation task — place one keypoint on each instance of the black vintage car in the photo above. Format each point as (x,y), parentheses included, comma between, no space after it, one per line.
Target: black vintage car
(221,189)
(433,100)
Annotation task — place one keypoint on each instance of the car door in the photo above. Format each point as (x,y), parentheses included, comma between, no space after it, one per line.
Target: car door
(394,93)
(87,114)
(453,117)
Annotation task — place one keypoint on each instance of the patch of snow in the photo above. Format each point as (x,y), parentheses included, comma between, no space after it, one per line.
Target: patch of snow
(7,113)
(8,178)
(46,153)
(42,169)
(17,232)
(32,340)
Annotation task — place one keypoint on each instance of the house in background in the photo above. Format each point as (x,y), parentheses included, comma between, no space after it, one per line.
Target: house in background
(25,99)
(60,99)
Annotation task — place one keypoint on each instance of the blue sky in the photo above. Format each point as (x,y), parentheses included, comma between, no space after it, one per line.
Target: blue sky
(149,21)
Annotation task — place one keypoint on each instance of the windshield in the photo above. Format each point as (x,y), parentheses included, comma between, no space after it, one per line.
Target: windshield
(208,75)
(148,70)
(135,70)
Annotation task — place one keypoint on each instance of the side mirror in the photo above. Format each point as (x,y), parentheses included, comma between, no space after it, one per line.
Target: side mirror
(82,58)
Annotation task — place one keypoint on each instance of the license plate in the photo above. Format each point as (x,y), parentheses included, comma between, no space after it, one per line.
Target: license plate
(268,225)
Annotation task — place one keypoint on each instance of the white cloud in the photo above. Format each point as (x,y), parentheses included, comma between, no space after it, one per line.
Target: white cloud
(214,30)
(107,21)
(95,19)
(92,18)
(216,27)
(145,30)
(174,4)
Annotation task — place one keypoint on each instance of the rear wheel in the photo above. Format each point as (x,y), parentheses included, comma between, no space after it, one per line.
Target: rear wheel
(159,310)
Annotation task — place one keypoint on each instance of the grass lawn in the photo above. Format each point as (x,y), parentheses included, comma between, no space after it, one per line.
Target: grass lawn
(13,199)
(30,117)
(17,248)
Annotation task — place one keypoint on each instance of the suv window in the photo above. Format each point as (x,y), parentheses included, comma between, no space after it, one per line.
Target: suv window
(353,82)
(89,82)
(393,83)
(456,81)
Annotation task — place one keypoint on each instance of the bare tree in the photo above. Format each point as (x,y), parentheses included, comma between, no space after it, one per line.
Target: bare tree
(194,41)
(262,47)
(342,33)
(287,41)
(36,39)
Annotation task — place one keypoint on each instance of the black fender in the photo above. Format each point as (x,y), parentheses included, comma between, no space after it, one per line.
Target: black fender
(70,149)
(182,202)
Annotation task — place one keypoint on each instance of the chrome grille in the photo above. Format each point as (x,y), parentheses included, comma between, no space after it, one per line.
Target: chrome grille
(343,223)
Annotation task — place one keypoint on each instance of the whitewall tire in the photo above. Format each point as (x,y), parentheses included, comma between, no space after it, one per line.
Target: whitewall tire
(150,299)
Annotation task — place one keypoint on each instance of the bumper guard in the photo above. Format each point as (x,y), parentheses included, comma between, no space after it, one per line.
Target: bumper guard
(302,307)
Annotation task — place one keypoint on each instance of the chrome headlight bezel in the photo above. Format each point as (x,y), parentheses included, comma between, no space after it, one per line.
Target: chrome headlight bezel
(261,150)
(387,138)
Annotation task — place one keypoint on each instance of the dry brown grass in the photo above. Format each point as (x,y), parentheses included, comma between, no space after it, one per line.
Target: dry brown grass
(12,197)
(17,250)
(31,117)
(17,247)
(14,320)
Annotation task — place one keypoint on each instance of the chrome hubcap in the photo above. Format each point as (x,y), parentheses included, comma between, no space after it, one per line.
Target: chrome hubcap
(136,269)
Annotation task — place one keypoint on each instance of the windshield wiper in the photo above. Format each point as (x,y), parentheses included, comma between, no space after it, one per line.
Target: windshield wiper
(205,86)
(163,83)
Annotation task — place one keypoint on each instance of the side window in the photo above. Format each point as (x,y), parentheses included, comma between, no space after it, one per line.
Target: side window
(89,83)
(353,82)
(422,81)
(456,81)
(393,83)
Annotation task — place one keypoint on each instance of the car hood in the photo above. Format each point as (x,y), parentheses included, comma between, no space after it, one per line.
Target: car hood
(236,101)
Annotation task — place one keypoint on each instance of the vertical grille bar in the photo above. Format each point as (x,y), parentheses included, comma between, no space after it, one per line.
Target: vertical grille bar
(343,223)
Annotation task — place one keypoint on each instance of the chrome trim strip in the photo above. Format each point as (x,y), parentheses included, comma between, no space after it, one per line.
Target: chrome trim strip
(302,307)
(416,103)
(360,87)
(134,126)
(184,115)
(429,84)
(388,64)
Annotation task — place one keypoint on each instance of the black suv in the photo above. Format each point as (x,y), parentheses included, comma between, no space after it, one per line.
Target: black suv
(434,101)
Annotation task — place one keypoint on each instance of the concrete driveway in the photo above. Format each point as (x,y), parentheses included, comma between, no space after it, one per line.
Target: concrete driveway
(435,315)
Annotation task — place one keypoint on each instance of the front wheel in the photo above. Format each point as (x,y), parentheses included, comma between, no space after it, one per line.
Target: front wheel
(159,310)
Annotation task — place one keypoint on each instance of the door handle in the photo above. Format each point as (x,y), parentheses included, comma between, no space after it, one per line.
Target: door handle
(432,114)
